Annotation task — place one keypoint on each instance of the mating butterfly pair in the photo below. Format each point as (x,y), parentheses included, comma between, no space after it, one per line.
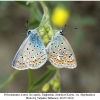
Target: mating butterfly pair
(33,54)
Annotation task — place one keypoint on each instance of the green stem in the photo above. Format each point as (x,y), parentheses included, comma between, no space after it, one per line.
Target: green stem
(31,79)
(45,19)
(11,77)
(58,75)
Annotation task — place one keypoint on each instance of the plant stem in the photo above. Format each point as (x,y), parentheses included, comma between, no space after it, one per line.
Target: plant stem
(31,79)
(58,75)
(45,18)
(11,77)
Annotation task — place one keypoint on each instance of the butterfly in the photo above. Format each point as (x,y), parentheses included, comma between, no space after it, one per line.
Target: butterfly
(60,53)
(31,54)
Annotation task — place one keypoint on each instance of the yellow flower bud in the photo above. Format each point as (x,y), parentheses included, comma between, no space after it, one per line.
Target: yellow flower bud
(56,85)
(46,87)
(60,16)
(41,31)
(47,27)
(50,33)
(52,82)
(45,39)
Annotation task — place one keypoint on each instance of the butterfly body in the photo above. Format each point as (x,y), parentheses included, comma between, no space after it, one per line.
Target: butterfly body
(31,54)
(60,53)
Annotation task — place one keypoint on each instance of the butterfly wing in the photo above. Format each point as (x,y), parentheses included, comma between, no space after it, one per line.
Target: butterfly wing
(32,51)
(60,53)
(18,61)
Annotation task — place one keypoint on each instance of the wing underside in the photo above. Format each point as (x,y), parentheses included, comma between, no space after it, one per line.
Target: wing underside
(31,54)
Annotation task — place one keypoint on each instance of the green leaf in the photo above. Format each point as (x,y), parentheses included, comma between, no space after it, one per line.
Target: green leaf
(23,3)
(33,24)
(51,67)
(42,79)
(37,12)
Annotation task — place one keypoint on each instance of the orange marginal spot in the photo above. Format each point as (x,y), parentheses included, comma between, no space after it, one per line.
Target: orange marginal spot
(65,58)
(62,61)
(35,61)
(39,60)
(31,62)
(41,57)
(70,62)
(51,56)
(58,61)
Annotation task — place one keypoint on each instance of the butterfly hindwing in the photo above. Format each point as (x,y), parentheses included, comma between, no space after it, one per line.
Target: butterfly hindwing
(18,61)
(60,52)
(32,52)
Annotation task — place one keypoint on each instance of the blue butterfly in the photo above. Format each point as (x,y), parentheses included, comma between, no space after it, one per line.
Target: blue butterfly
(31,54)
(60,53)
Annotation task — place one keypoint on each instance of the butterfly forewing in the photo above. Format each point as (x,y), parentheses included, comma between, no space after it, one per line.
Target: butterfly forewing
(60,52)
(32,53)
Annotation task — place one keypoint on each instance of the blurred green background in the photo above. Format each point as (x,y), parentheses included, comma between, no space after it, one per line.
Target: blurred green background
(85,42)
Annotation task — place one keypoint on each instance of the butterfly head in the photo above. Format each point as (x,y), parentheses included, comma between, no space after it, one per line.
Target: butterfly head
(61,32)
(28,32)
(58,32)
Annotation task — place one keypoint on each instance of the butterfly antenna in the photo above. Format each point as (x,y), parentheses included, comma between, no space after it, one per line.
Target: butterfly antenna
(63,30)
(71,30)
(27,26)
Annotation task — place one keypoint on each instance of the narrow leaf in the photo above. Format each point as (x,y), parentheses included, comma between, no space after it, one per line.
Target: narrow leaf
(42,79)
(22,3)
(51,67)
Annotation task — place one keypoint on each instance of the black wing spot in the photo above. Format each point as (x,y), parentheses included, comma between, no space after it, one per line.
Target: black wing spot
(43,58)
(70,55)
(62,43)
(63,52)
(53,52)
(32,50)
(22,57)
(27,48)
(64,48)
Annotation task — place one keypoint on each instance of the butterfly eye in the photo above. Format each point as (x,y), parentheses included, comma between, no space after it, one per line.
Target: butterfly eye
(61,32)
(28,32)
